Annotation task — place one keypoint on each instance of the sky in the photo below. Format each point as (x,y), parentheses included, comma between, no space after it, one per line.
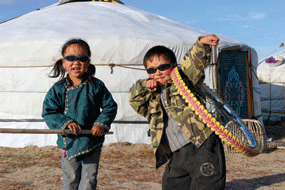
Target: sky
(258,23)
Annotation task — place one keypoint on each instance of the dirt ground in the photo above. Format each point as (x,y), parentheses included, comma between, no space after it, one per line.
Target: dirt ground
(125,166)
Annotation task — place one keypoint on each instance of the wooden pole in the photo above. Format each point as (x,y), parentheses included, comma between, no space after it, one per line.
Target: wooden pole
(215,73)
(215,76)
(63,132)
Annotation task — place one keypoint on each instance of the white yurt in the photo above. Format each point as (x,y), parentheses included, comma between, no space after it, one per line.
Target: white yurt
(119,35)
(271,77)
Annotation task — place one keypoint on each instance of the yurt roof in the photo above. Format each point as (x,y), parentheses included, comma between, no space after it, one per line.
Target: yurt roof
(117,33)
(272,68)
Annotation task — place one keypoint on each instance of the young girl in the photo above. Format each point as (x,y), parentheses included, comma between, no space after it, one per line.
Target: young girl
(78,102)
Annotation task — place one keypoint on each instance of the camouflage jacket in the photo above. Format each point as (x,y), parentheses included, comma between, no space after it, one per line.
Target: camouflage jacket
(147,103)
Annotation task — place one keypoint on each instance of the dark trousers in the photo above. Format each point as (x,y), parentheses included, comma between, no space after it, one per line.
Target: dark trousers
(193,168)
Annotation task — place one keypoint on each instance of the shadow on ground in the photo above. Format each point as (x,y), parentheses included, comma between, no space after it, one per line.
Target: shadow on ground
(276,132)
(255,183)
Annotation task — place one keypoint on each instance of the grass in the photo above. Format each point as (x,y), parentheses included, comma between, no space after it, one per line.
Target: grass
(119,163)
(130,165)
(122,164)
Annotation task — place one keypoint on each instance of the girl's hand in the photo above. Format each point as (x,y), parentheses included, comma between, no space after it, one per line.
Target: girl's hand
(97,131)
(75,128)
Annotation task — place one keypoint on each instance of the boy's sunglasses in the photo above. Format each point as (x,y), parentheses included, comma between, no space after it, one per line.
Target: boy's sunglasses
(162,67)
(72,58)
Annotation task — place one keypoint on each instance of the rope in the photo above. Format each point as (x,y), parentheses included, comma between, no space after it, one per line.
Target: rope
(256,90)
(46,92)
(262,82)
(10,67)
(111,65)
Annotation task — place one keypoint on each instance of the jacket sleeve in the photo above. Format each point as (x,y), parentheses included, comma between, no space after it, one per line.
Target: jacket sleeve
(139,96)
(53,109)
(109,109)
(195,61)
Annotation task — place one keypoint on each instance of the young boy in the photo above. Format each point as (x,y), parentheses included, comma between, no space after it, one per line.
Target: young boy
(195,154)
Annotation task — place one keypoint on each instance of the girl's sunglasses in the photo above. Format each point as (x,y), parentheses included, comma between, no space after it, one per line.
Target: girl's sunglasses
(81,58)
(162,67)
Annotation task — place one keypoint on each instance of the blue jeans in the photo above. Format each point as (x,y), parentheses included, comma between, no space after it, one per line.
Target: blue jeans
(81,172)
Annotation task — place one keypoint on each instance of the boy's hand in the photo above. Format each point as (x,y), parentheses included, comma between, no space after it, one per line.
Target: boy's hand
(75,128)
(97,131)
(152,84)
(211,40)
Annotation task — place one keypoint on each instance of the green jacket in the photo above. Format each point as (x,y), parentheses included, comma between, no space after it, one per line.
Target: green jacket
(147,103)
(87,104)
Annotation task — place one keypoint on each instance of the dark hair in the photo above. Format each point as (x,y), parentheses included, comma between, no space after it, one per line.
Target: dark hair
(59,70)
(163,51)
